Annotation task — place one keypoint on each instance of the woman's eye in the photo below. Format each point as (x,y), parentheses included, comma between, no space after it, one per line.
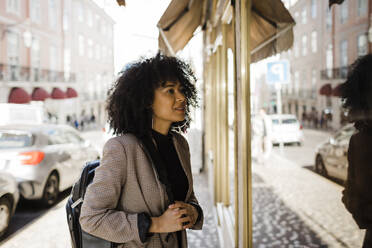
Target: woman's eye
(171,91)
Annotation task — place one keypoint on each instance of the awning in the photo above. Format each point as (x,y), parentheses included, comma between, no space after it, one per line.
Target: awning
(271,27)
(178,23)
(70,92)
(325,90)
(39,94)
(57,93)
(336,91)
(18,95)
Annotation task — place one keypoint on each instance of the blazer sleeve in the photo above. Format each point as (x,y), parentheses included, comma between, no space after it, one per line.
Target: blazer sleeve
(99,216)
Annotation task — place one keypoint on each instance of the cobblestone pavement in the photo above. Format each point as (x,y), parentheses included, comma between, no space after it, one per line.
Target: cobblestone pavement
(294,207)
(207,237)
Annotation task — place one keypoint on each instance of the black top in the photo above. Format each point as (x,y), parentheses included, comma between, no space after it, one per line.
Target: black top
(176,175)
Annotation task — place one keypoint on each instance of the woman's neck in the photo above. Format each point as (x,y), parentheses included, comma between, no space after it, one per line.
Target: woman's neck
(162,128)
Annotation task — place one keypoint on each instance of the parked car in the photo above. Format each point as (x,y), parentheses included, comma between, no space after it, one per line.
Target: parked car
(45,159)
(9,196)
(286,129)
(331,156)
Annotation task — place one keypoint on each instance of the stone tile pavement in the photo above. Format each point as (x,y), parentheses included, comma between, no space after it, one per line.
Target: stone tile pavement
(293,207)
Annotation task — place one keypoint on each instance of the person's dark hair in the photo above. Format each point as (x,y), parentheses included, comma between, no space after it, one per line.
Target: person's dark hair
(131,97)
(356,92)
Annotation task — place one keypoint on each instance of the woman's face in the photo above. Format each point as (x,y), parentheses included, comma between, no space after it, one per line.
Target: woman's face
(169,105)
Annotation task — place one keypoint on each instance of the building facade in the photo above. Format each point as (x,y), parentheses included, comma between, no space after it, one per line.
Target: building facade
(327,41)
(58,54)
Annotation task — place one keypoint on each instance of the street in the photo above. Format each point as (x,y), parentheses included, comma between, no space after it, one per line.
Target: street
(295,207)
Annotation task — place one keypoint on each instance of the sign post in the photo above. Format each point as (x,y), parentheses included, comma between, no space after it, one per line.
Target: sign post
(278,74)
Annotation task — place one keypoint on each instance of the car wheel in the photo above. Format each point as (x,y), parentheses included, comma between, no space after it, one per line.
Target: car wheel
(5,212)
(319,166)
(51,190)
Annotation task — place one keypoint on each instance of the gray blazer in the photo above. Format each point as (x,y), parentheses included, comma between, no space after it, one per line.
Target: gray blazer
(125,184)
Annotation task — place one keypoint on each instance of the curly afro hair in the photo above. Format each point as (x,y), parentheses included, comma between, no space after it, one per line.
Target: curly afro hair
(130,98)
(356,92)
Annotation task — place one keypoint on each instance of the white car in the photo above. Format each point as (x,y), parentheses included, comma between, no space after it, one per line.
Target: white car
(9,196)
(286,129)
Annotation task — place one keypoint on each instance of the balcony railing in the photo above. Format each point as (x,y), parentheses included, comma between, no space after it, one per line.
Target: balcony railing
(335,73)
(16,73)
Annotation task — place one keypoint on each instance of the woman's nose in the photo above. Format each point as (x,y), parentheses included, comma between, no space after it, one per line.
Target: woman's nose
(180,97)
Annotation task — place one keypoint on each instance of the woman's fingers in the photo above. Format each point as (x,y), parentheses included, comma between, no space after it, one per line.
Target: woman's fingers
(187,226)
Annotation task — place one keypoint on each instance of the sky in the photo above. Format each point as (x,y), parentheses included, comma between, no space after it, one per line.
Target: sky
(135,31)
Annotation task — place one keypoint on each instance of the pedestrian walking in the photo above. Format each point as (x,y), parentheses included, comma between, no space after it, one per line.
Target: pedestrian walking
(142,193)
(357,97)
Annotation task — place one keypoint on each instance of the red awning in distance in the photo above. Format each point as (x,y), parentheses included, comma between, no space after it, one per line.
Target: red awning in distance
(70,92)
(325,90)
(39,94)
(19,95)
(57,93)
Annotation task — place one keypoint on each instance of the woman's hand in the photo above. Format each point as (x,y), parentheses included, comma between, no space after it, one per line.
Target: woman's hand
(170,221)
(191,213)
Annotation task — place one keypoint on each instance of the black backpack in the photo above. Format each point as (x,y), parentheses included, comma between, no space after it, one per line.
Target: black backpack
(79,238)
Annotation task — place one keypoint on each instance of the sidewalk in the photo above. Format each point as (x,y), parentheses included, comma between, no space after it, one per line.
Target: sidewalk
(293,207)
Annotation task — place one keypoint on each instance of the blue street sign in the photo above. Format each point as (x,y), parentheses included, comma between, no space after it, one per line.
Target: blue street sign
(277,72)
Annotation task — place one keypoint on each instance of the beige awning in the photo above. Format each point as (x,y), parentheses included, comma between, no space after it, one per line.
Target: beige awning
(178,23)
(271,27)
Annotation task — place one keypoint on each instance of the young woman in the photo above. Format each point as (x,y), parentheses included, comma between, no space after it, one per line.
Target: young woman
(142,193)
(357,97)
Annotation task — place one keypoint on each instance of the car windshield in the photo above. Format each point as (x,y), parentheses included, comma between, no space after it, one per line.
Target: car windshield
(15,140)
(285,121)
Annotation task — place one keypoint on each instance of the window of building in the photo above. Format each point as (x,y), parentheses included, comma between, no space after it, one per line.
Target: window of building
(328,18)
(297,83)
(295,49)
(81,45)
(13,48)
(304,16)
(104,53)
(314,41)
(304,45)
(80,11)
(90,48)
(362,44)
(343,53)
(98,52)
(344,12)
(35,9)
(362,7)
(329,60)
(67,63)
(313,82)
(35,53)
(13,6)
(53,58)
(104,27)
(296,15)
(52,13)
(66,21)
(313,9)
(89,18)
(98,23)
